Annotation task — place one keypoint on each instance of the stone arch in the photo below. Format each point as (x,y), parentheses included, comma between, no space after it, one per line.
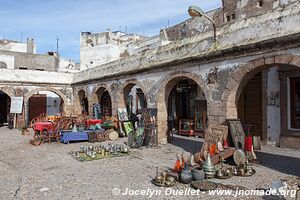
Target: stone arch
(239,78)
(125,89)
(98,87)
(166,85)
(56,91)
(32,92)
(8,90)
(98,91)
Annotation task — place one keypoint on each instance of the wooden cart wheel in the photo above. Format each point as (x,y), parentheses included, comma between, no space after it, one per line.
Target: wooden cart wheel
(35,119)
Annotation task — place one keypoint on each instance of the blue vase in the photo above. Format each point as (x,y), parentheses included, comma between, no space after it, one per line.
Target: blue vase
(186,175)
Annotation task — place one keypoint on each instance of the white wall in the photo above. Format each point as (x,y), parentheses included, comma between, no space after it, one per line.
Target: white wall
(9,60)
(273,108)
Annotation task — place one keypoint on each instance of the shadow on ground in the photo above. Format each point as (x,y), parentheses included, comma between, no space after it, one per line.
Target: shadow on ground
(189,144)
(284,164)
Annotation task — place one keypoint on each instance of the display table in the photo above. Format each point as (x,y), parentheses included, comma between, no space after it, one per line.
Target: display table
(41,126)
(67,137)
(93,122)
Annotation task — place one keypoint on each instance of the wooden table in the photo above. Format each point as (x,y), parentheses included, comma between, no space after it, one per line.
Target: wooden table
(93,122)
(41,126)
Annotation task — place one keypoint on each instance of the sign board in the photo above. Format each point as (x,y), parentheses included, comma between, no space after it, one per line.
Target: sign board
(16,105)
(122,114)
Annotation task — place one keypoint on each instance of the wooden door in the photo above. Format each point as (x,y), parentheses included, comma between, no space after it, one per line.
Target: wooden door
(250,105)
(37,105)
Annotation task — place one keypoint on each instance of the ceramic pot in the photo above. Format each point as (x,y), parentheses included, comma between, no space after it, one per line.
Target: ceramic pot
(198,174)
(186,175)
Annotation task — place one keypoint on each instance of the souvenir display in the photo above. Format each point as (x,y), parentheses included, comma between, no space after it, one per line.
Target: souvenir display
(113,135)
(100,152)
(177,166)
(191,160)
(214,134)
(163,180)
(236,132)
(220,146)
(186,175)
(244,169)
(223,172)
(239,156)
(225,144)
(198,174)
(209,168)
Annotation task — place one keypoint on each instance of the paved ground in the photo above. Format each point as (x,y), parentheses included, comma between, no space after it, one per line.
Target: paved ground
(49,172)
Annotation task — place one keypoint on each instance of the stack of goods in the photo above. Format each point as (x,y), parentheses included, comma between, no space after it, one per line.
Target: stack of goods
(100,151)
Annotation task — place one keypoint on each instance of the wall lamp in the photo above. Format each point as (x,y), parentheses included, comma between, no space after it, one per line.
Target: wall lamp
(195,11)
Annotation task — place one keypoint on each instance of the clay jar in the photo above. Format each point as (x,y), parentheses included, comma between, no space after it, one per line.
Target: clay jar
(198,174)
(186,175)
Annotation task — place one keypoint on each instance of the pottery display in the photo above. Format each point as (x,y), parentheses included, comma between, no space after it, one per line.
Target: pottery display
(198,174)
(186,175)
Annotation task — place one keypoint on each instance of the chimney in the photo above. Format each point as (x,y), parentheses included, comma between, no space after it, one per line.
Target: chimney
(30,45)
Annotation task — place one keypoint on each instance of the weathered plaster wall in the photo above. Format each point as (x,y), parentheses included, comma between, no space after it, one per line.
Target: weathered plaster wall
(33,76)
(32,61)
(8,60)
(247,32)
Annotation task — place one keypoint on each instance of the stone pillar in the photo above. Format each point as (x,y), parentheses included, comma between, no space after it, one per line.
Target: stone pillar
(216,112)
(162,124)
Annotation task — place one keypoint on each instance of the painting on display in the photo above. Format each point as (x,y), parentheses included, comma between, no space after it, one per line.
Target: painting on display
(237,133)
(128,127)
(122,114)
(149,115)
(213,135)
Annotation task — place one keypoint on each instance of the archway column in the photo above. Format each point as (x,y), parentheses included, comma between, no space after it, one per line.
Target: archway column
(216,112)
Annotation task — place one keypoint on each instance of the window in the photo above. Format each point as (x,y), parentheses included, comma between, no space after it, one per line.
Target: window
(233,16)
(23,68)
(3,65)
(260,3)
(228,18)
(295,103)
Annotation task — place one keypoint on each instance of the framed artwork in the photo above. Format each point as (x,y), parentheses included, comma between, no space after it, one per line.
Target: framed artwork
(128,127)
(237,133)
(149,115)
(122,114)
(213,135)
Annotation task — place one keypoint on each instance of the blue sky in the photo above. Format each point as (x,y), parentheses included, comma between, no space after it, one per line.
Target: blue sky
(45,20)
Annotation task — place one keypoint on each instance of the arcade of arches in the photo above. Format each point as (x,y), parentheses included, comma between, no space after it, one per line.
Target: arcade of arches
(264,93)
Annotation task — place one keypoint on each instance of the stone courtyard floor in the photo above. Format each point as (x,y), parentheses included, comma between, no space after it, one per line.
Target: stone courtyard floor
(49,172)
